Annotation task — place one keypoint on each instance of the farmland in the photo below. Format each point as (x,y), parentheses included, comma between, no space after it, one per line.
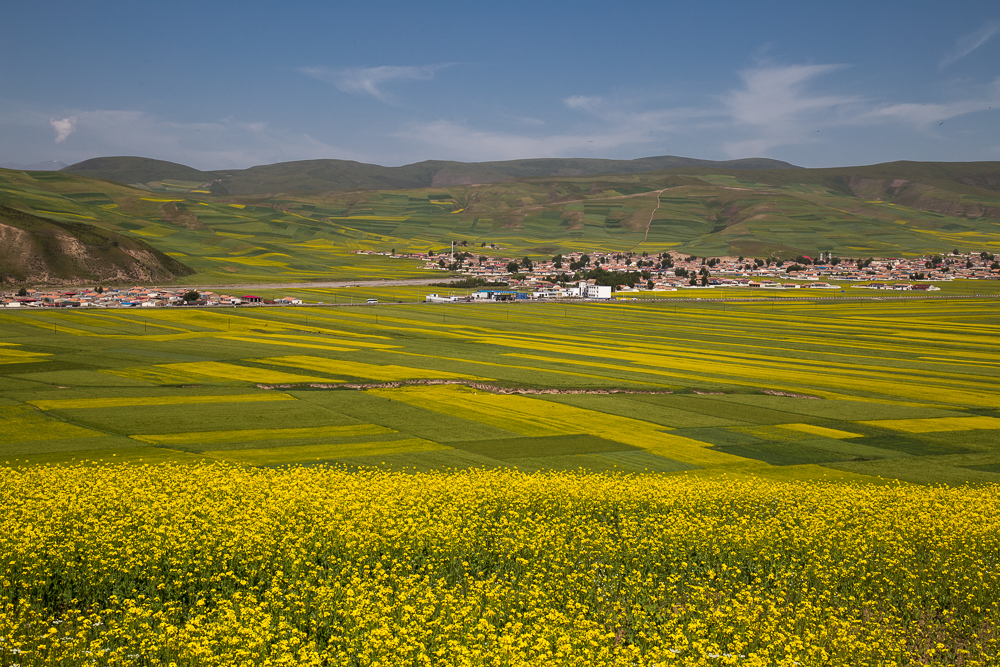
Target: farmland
(777,480)
(779,389)
(671,481)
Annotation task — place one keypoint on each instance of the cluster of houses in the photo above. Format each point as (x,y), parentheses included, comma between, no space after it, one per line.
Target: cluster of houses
(566,275)
(573,275)
(137,297)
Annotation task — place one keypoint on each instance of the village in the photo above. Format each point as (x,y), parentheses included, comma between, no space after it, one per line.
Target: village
(600,275)
(136,297)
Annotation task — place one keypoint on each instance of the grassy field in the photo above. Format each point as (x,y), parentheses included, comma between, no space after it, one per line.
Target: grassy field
(787,389)
(310,237)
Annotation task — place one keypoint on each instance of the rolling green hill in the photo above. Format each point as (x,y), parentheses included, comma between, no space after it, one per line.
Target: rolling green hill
(894,209)
(36,250)
(329,175)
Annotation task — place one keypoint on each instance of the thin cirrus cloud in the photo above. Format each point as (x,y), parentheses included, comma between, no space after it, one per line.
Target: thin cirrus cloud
(609,127)
(966,44)
(777,107)
(774,106)
(369,80)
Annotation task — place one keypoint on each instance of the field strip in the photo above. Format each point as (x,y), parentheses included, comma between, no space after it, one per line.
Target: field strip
(135,321)
(49,326)
(8,356)
(312,317)
(308,453)
(286,343)
(768,373)
(732,377)
(25,424)
(534,417)
(799,331)
(249,435)
(822,431)
(527,368)
(122,402)
(936,424)
(314,339)
(978,363)
(644,356)
(363,370)
(219,369)
(657,344)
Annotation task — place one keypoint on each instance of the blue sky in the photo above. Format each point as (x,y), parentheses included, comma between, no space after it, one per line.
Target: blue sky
(234,84)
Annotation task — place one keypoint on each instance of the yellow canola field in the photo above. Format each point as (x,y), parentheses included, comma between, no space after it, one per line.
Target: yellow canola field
(212,565)
(131,401)
(249,435)
(383,372)
(935,424)
(534,417)
(9,356)
(309,453)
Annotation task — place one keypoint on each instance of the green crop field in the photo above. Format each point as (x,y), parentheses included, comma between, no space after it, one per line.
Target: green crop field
(779,389)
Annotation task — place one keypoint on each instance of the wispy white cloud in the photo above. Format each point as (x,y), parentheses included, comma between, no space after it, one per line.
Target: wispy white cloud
(367,80)
(776,107)
(923,116)
(966,44)
(773,107)
(461,142)
(63,127)
(606,127)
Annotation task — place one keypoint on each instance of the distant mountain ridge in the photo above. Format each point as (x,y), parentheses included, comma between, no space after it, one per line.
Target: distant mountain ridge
(341,175)
(887,210)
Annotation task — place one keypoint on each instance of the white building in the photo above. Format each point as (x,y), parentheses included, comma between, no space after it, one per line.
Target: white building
(595,291)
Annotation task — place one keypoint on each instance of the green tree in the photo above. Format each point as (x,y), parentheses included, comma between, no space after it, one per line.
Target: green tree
(526,262)
(512,267)
(191,296)
(22,292)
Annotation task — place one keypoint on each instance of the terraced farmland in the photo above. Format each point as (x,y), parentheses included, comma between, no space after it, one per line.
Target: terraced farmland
(789,389)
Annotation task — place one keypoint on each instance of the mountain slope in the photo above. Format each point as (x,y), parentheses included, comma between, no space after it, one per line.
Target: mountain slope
(334,175)
(889,210)
(38,250)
